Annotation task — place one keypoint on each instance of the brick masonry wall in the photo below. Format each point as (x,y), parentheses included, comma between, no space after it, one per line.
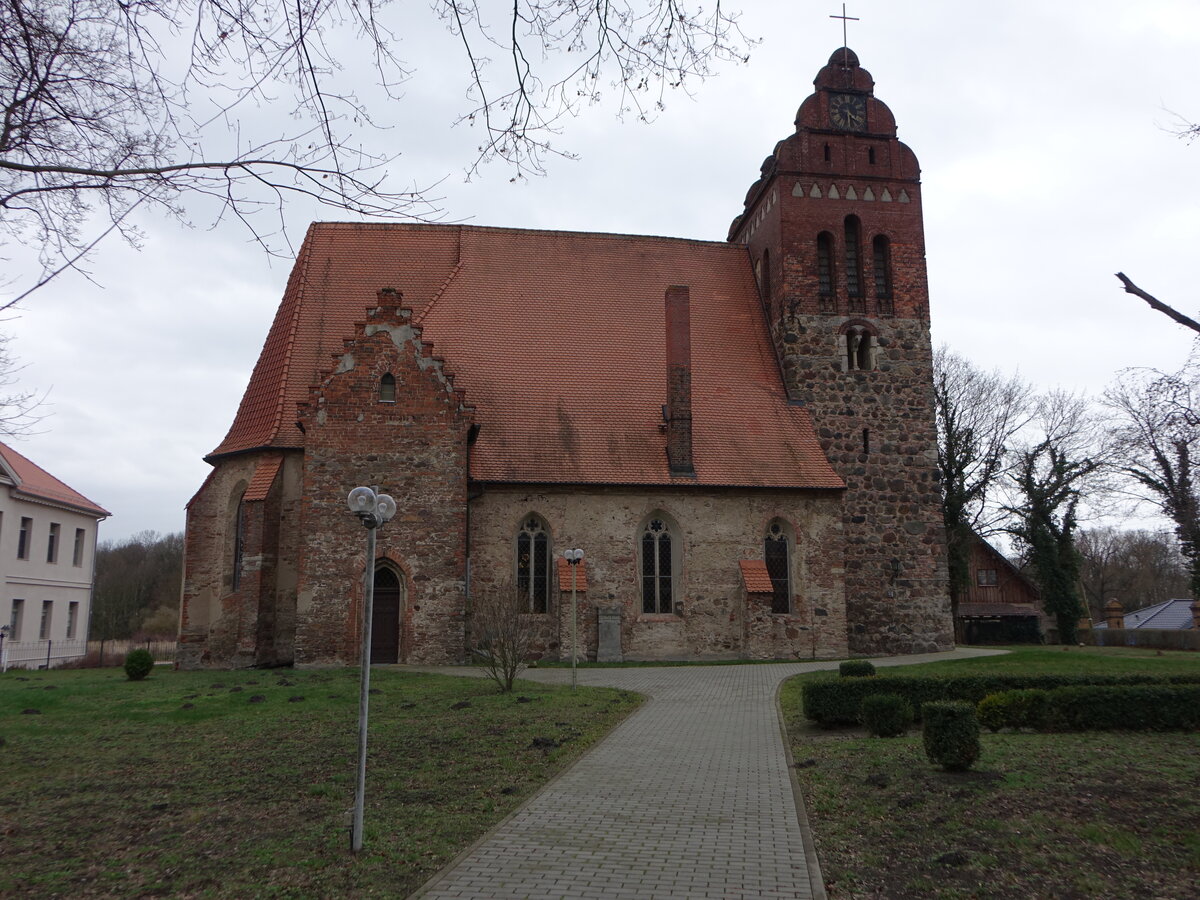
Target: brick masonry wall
(717,527)
(414,449)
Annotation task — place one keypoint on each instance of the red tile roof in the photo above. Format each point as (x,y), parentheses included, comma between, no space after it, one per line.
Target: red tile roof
(755,576)
(564,576)
(558,339)
(263,478)
(36,483)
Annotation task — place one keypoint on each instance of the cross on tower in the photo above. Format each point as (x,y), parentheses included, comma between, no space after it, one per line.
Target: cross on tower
(845,43)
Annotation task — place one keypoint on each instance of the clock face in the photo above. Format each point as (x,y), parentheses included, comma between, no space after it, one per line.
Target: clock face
(848,111)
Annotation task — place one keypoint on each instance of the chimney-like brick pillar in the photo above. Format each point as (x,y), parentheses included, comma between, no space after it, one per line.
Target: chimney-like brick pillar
(1114,614)
(679,380)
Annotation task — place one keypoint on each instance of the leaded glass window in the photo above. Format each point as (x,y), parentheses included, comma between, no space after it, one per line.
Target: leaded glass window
(533,564)
(775,554)
(657,572)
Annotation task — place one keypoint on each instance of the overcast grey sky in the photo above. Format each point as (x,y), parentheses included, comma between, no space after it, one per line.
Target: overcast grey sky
(1043,132)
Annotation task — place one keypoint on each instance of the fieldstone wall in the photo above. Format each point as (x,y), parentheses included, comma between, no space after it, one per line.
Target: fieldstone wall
(716,528)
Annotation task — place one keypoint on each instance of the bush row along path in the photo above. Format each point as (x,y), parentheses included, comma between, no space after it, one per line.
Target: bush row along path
(688,797)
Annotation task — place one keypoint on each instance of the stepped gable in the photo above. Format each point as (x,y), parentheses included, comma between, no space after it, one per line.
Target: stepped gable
(558,340)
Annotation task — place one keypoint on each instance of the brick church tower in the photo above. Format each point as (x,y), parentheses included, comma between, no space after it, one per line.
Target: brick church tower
(834,231)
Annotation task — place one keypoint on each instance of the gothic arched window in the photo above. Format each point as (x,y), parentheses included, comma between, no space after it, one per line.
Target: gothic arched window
(238,543)
(854,285)
(533,564)
(825,263)
(387,388)
(658,570)
(777,556)
(881,265)
(860,350)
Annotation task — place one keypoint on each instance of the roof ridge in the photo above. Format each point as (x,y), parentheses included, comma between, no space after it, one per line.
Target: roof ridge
(301,294)
(433,226)
(437,295)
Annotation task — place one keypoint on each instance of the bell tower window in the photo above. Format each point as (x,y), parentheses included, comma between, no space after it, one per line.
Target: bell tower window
(881,265)
(860,351)
(854,282)
(825,270)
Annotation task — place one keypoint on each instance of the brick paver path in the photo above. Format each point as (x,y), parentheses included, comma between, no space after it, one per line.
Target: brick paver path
(690,797)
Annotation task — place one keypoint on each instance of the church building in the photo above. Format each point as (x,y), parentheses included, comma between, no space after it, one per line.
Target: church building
(739,434)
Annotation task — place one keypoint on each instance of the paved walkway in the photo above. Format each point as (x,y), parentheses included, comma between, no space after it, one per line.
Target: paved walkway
(690,797)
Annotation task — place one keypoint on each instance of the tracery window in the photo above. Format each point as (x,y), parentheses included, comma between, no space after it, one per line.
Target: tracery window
(778,559)
(657,568)
(533,564)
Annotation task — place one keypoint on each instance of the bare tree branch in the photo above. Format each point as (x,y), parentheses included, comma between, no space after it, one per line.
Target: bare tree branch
(1155,303)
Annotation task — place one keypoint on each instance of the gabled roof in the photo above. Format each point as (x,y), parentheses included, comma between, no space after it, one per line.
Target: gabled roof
(558,339)
(33,482)
(1174,615)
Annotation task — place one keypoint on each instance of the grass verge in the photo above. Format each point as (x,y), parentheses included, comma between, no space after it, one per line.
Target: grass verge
(1112,815)
(236,784)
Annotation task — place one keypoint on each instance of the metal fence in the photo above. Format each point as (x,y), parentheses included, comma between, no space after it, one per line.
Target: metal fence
(49,654)
(40,654)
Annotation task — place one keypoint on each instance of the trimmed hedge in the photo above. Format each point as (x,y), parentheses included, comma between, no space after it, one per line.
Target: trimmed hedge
(1152,707)
(951,735)
(1014,709)
(856,668)
(838,701)
(886,715)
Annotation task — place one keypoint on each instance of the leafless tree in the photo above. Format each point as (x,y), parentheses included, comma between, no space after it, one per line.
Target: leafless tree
(1156,439)
(20,410)
(1137,567)
(112,105)
(978,415)
(1061,462)
(501,634)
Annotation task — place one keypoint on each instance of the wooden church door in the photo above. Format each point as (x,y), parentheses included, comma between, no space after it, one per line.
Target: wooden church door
(385,618)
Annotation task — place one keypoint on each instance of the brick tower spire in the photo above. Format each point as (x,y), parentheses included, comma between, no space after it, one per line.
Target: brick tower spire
(834,229)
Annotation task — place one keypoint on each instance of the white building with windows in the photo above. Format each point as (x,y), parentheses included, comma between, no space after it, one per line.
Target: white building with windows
(47,561)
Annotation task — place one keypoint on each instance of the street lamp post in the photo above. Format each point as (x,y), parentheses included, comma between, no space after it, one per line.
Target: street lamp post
(574,558)
(372,509)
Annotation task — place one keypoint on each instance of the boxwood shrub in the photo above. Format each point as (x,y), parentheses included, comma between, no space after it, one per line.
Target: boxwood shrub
(1013,709)
(951,734)
(856,668)
(1150,707)
(838,701)
(138,664)
(887,715)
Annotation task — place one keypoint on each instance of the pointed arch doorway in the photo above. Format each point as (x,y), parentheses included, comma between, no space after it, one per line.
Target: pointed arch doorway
(385,616)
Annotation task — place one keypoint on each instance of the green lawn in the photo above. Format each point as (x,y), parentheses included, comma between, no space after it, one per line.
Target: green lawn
(237,784)
(1111,815)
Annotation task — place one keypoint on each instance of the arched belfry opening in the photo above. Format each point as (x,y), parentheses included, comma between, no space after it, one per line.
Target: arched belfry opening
(387,616)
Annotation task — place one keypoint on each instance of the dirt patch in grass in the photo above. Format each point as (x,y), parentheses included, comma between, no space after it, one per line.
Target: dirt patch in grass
(181,786)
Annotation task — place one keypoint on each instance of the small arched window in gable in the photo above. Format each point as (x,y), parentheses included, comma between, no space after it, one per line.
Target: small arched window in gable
(533,564)
(854,285)
(777,556)
(658,581)
(881,265)
(387,388)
